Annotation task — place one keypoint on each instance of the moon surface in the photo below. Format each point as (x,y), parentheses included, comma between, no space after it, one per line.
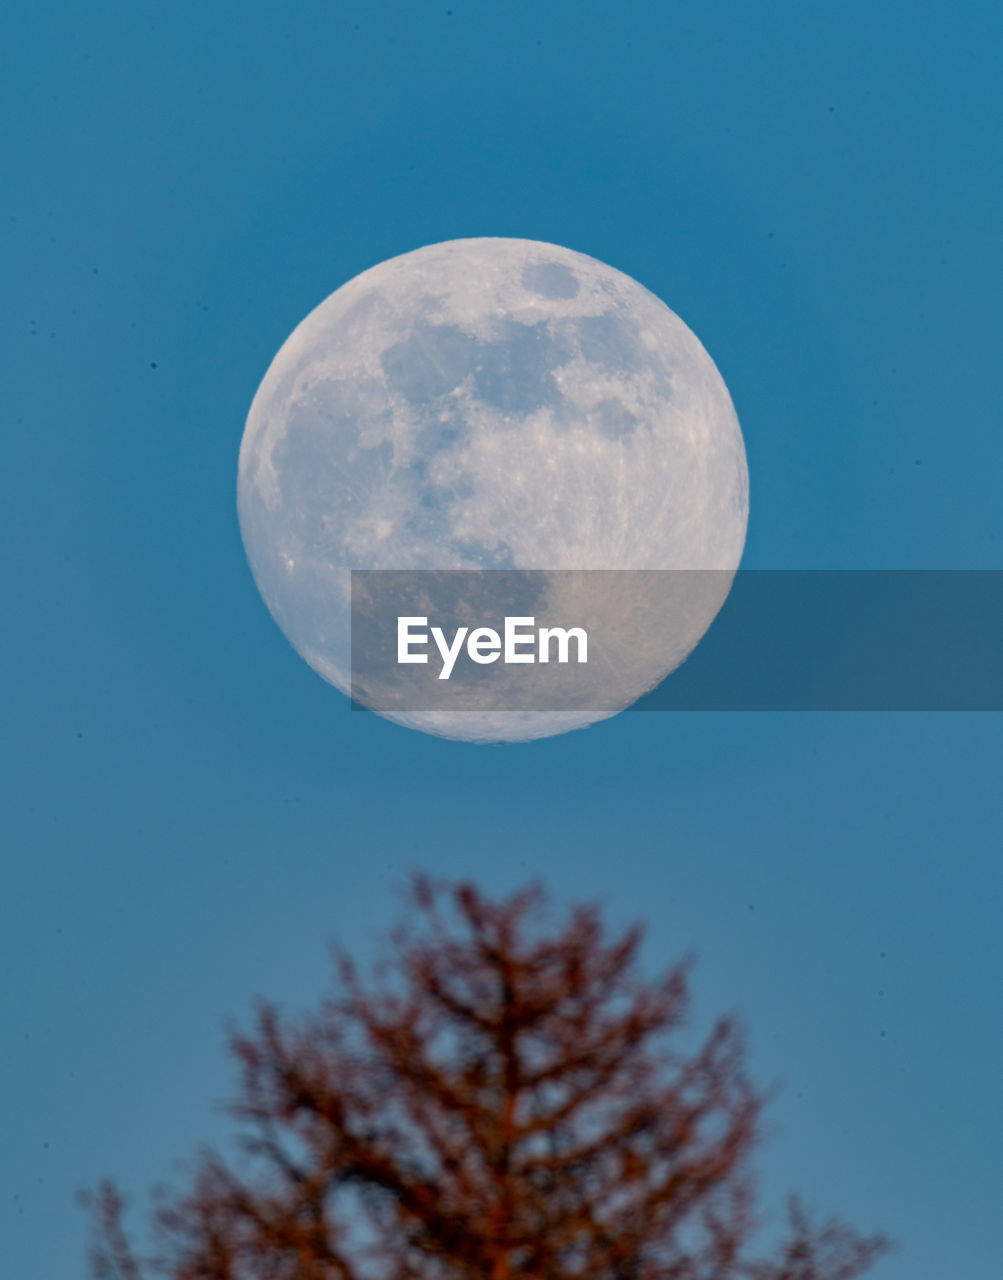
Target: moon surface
(494,404)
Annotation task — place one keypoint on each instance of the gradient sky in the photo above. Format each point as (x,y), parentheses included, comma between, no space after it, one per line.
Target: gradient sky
(190,814)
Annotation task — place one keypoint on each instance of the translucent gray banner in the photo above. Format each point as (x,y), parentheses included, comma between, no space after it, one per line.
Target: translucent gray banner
(597,641)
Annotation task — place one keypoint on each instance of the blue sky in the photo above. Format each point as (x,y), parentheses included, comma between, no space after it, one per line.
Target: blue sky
(191,814)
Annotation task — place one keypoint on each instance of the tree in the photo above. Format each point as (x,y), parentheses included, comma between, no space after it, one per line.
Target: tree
(504,1098)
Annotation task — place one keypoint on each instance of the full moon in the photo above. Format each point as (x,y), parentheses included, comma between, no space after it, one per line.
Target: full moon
(492,404)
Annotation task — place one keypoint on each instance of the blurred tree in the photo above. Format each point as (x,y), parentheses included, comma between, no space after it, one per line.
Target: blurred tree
(503,1100)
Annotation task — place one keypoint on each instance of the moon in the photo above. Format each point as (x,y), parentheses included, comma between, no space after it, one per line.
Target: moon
(494,403)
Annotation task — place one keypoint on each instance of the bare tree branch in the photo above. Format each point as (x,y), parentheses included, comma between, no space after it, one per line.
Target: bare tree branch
(504,1098)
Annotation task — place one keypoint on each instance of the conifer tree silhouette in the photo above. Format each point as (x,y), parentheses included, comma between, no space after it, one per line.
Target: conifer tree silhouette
(502,1099)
